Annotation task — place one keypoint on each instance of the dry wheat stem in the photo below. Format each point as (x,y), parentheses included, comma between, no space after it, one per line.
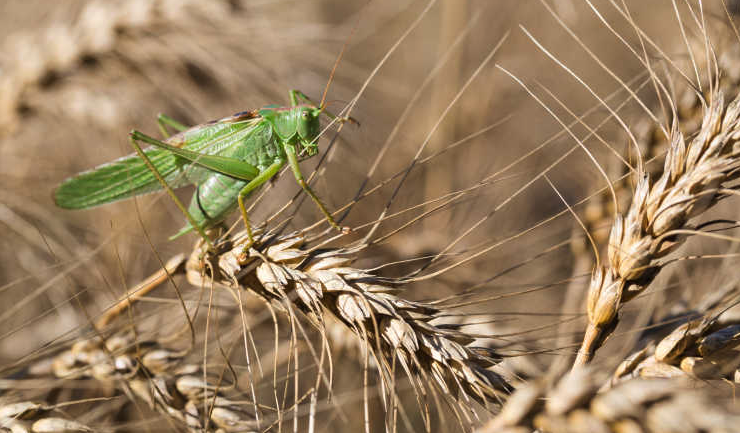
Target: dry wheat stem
(693,173)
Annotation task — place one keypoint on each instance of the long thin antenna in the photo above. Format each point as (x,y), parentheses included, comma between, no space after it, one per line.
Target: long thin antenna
(341,53)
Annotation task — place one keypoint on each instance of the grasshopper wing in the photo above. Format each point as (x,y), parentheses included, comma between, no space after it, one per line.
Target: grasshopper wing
(129,176)
(123,178)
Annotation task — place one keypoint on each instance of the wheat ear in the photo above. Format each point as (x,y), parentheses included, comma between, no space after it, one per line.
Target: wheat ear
(395,330)
(637,405)
(657,221)
(160,377)
(32,56)
(702,344)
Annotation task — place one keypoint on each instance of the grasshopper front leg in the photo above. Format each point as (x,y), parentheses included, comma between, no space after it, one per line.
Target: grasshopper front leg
(293,161)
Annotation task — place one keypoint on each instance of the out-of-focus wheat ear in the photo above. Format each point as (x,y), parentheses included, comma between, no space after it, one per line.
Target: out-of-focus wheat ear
(394,330)
(644,405)
(657,220)
(57,49)
(158,376)
(703,347)
(29,416)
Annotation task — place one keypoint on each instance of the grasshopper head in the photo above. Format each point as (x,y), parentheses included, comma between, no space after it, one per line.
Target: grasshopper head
(308,128)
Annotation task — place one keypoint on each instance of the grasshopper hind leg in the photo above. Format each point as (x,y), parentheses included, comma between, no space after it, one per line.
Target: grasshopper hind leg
(253,184)
(134,138)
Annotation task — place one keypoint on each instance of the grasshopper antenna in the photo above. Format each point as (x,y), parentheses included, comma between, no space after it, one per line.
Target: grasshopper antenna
(342,119)
(339,57)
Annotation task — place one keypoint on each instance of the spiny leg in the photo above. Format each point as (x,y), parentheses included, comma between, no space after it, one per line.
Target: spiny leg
(134,137)
(164,121)
(293,161)
(263,177)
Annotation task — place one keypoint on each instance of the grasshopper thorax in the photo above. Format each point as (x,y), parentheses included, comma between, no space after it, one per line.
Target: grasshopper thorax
(298,124)
(308,128)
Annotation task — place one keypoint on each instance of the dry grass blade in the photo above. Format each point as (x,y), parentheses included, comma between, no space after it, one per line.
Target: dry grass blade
(657,221)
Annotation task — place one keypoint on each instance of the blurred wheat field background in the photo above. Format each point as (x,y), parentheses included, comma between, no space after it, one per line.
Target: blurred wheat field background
(476,189)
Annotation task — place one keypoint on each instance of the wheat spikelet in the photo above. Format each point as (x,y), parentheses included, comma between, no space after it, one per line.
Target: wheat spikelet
(393,329)
(640,405)
(657,221)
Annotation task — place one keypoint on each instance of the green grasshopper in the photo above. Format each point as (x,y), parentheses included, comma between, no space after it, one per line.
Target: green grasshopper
(226,159)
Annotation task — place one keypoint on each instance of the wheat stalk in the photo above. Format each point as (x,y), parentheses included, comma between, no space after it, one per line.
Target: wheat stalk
(657,221)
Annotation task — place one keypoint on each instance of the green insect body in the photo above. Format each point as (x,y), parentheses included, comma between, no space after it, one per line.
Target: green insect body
(226,159)
(216,196)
